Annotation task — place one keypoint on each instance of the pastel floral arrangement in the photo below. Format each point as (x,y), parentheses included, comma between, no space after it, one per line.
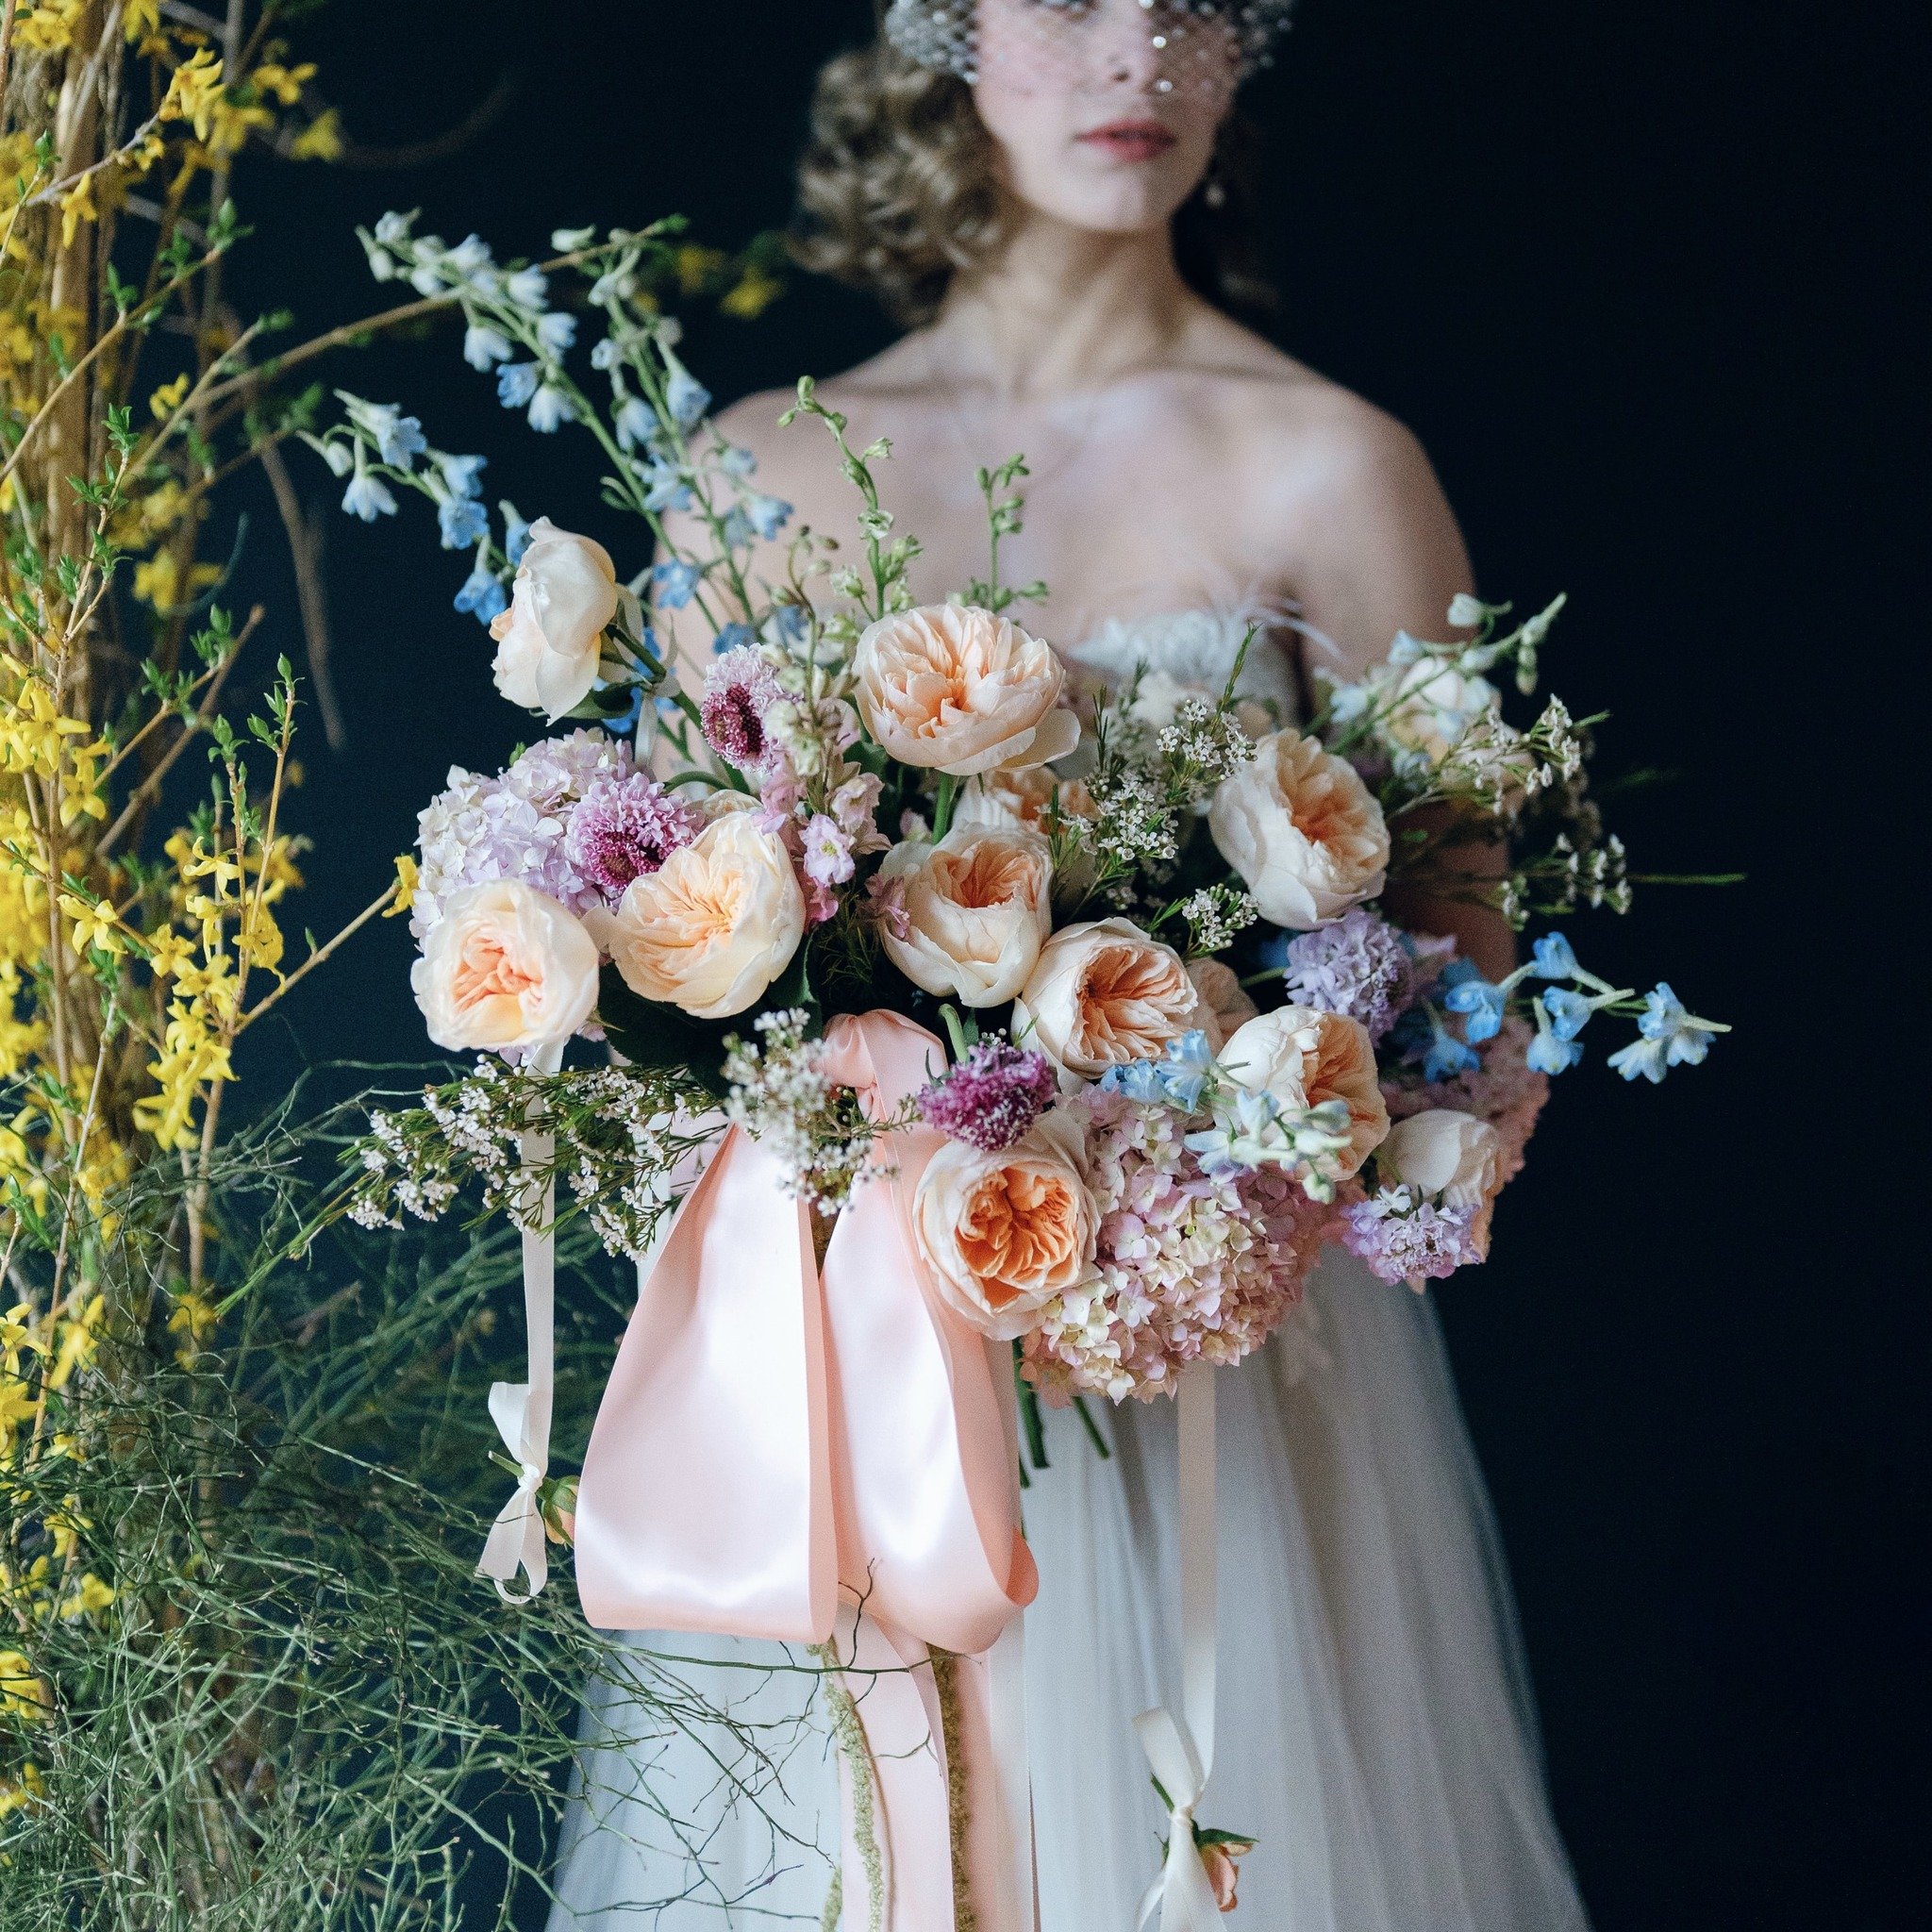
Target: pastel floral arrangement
(778,802)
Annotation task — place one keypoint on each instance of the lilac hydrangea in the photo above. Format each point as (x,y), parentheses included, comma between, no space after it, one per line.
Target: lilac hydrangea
(1190,1266)
(1363,967)
(622,827)
(512,826)
(740,689)
(992,1097)
(1405,1239)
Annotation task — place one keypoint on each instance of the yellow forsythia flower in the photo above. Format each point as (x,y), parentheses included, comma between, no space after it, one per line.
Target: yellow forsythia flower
(194,93)
(751,296)
(25,1789)
(406,887)
(168,398)
(21,1691)
(49,26)
(321,140)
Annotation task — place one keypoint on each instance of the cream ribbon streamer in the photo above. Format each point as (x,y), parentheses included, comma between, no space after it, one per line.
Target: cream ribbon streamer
(520,1410)
(1181,1751)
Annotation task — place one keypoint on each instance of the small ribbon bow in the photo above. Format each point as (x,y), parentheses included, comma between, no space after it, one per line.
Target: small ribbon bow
(1183,1893)
(516,1538)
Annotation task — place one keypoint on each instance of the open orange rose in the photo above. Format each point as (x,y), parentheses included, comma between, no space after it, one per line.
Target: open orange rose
(1004,1233)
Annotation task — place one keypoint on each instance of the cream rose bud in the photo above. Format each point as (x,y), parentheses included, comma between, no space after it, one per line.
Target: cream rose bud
(1104,993)
(1002,1234)
(1453,1156)
(956,689)
(1225,1003)
(505,968)
(1305,1057)
(978,909)
(714,926)
(547,642)
(1303,831)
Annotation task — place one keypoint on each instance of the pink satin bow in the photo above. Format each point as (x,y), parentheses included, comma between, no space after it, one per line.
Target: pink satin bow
(772,1442)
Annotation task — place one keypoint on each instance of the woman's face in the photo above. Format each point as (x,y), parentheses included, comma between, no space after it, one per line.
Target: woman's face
(1105,110)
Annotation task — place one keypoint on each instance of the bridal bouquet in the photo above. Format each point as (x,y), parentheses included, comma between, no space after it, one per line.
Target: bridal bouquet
(780,802)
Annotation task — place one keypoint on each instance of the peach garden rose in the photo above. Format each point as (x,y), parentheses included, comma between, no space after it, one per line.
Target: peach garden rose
(976,908)
(1104,993)
(714,926)
(549,639)
(1303,830)
(505,969)
(1305,1057)
(953,688)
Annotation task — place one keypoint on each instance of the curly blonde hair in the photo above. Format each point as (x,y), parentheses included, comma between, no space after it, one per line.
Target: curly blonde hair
(898,191)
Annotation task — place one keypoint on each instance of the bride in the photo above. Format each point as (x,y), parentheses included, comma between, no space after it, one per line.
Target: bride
(1048,192)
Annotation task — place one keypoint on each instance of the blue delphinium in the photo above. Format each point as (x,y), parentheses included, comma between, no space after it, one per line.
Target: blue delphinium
(1570,1012)
(557,332)
(1549,1052)
(636,422)
(368,496)
(464,520)
(550,409)
(675,582)
(516,383)
(665,486)
(1669,1037)
(463,474)
(1481,1006)
(1446,1057)
(767,515)
(686,398)
(516,533)
(482,594)
(484,347)
(1553,957)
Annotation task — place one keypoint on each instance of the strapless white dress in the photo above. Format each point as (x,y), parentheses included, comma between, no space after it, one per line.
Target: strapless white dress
(1375,1732)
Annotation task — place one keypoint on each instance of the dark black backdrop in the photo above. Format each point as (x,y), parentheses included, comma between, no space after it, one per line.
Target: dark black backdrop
(1631,271)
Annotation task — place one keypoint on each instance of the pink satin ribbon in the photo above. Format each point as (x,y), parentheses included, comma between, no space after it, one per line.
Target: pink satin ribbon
(772,1443)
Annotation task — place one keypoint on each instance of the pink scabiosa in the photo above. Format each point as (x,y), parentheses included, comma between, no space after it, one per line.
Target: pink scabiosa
(740,690)
(623,827)
(1190,1266)
(992,1097)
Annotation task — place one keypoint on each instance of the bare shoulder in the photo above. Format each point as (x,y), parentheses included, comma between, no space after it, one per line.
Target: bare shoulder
(1296,432)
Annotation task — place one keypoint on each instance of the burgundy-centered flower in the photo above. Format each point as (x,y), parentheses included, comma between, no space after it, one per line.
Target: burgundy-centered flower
(740,689)
(992,1097)
(623,827)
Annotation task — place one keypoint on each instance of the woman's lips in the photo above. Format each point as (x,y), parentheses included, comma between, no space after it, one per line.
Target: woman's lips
(1130,140)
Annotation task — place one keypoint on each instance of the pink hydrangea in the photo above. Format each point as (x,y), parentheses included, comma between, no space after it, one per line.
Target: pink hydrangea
(1505,1091)
(1191,1266)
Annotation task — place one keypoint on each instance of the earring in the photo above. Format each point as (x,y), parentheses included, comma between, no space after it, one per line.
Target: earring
(1212,192)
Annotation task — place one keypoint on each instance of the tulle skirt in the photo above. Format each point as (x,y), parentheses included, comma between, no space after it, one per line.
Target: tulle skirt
(1376,1730)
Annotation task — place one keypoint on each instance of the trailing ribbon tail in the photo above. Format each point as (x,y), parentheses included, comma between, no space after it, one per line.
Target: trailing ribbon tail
(706,1497)
(1181,1750)
(520,1410)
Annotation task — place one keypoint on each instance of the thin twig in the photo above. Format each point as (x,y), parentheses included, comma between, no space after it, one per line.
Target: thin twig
(316,958)
(144,793)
